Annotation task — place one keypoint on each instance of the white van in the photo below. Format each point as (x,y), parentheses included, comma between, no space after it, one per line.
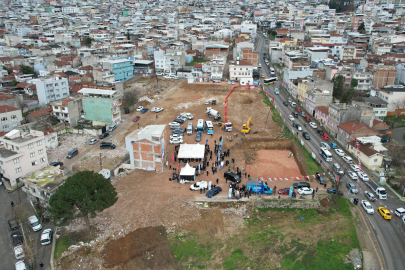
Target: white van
(190,128)
(36,226)
(338,169)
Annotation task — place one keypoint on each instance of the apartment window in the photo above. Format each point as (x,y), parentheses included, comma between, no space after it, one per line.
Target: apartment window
(381,112)
(42,159)
(4,119)
(16,148)
(56,84)
(6,126)
(40,151)
(375,160)
(16,160)
(39,142)
(34,163)
(18,169)
(30,146)
(32,154)
(14,117)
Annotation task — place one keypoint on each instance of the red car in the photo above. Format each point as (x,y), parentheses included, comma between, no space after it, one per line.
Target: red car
(325,137)
(285,191)
(136,118)
(307,118)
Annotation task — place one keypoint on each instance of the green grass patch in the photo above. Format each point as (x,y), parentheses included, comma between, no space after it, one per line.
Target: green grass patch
(236,260)
(62,245)
(192,63)
(394,119)
(188,248)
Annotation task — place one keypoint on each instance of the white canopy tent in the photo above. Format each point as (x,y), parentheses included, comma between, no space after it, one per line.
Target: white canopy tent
(195,151)
(187,172)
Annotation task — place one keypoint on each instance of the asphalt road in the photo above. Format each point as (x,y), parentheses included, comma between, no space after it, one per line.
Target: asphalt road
(387,235)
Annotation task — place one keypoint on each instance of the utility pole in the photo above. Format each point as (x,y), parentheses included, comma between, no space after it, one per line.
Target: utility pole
(101,164)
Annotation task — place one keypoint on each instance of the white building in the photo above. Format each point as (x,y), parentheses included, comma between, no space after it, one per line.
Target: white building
(51,89)
(241,71)
(10,117)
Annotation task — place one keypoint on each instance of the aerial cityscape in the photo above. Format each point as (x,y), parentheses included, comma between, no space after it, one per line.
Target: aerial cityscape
(202,134)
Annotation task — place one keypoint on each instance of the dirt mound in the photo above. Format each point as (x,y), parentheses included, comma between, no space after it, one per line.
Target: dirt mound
(145,248)
(325,202)
(210,221)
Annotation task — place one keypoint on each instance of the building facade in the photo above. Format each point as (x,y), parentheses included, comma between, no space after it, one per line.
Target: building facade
(51,89)
(122,69)
(10,117)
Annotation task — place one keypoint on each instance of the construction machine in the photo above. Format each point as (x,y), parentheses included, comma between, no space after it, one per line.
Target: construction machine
(225,126)
(246,127)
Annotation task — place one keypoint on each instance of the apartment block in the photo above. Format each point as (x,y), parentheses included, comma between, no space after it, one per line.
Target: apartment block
(67,110)
(241,71)
(383,77)
(147,148)
(10,117)
(23,153)
(121,68)
(51,89)
(341,113)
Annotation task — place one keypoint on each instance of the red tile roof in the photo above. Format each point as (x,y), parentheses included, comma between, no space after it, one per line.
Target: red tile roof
(243,63)
(323,109)
(365,148)
(8,108)
(355,126)
(48,131)
(22,84)
(40,113)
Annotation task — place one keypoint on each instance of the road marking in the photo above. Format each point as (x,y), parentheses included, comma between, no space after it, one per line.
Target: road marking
(372,242)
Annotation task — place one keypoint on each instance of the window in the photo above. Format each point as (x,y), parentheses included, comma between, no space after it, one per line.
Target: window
(6,126)
(32,154)
(30,146)
(39,142)
(34,163)
(16,160)
(14,116)
(18,169)
(40,151)
(16,148)
(42,159)
(4,119)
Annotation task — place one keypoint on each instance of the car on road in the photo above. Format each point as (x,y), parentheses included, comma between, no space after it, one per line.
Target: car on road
(57,163)
(383,140)
(333,145)
(339,152)
(285,103)
(20,265)
(139,108)
(352,175)
(156,109)
(400,212)
(307,118)
(325,137)
(107,145)
(313,125)
(262,75)
(34,222)
(136,118)
(347,159)
(305,191)
(214,191)
(321,179)
(320,132)
(363,176)
(306,135)
(176,140)
(333,191)
(352,187)
(19,252)
(384,212)
(302,114)
(198,137)
(199,185)
(103,135)
(299,128)
(325,145)
(93,141)
(233,177)
(355,167)
(144,110)
(291,117)
(369,196)
(12,223)
(46,237)
(298,109)
(367,207)
(72,153)
(301,185)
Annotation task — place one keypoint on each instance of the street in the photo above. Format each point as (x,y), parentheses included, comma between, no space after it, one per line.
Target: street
(387,235)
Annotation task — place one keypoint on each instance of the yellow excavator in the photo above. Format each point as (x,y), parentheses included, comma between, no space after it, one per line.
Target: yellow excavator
(246,127)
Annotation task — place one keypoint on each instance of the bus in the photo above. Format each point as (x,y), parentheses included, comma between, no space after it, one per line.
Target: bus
(210,127)
(325,154)
(200,126)
(269,81)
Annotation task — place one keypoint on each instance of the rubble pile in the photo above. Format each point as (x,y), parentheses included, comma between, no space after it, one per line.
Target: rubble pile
(67,142)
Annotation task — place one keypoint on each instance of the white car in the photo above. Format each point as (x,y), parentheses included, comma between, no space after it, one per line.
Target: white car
(139,108)
(199,185)
(159,73)
(93,141)
(153,109)
(305,190)
(159,109)
(291,117)
(173,125)
(352,175)
(189,116)
(207,102)
(176,140)
(167,77)
(19,252)
(176,136)
(325,145)
(355,167)
(367,207)
(46,237)
(347,159)
(36,226)
(400,212)
(20,265)
(339,152)
(181,118)
(313,125)
(363,176)
(299,128)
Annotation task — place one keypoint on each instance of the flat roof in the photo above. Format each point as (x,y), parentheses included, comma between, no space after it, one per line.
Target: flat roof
(147,62)
(154,130)
(5,153)
(97,91)
(375,100)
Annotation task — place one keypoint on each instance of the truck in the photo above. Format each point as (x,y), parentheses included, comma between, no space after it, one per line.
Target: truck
(379,191)
(258,186)
(213,114)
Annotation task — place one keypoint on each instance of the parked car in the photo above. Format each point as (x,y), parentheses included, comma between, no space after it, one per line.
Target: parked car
(177,130)
(93,141)
(182,118)
(307,118)
(298,109)
(34,222)
(136,118)
(291,117)
(153,109)
(180,121)
(285,103)
(302,114)
(320,132)
(144,110)
(20,265)
(321,179)
(12,223)
(233,177)
(355,167)
(214,102)
(46,237)
(214,191)
(305,191)
(352,187)
(16,238)
(285,191)
(19,252)
(383,140)
(107,145)
(72,153)
(306,135)
(198,137)
(367,207)
(57,163)
(103,135)
(313,125)
(369,196)
(333,191)
(176,136)
(400,212)
(339,152)
(207,102)
(352,175)
(384,212)
(299,128)
(301,185)
(347,159)
(333,145)
(112,127)
(176,140)
(199,185)
(139,108)
(174,125)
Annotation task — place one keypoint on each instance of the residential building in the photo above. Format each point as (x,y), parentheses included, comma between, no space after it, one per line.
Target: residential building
(340,113)
(122,68)
(380,106)
(10,117)
(381,48)
(316,98)
(23,153)
(322,114)
(147,148)
(369,148)
(348,52)
(100,106)
(241,71)
(394,95)
(67,110)
(214,68)
(384,75)
(364,79)
(349,131)
(51,88)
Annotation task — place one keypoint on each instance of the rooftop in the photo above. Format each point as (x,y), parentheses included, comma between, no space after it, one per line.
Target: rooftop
(5,153)
(93,91)
(48,177)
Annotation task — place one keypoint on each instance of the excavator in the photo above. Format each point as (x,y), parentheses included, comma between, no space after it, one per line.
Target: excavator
(246,127)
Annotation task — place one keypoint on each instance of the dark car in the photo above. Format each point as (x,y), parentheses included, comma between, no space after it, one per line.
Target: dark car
(301,185)
(107,145)
(56,164)
(126,109)
(177,131)
(178,120)
(12,223)
(103,135)
(320,132)
(17,238)
(144,110)
(333,191)
(385,140)
(306,135)
(233,177)
(72,153)
(285,191)
(136,118)
(321,179)
(285,103)
(214,191)
(198,137)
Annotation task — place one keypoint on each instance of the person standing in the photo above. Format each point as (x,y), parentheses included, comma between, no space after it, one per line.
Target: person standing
(41,265)
(217,181)
(316,189)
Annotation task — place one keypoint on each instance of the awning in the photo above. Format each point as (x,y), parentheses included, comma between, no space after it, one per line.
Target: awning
(187,171)
(191,151)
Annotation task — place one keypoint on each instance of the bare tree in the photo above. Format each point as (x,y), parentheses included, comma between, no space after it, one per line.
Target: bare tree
(399,105)
(397,155)
(130,97)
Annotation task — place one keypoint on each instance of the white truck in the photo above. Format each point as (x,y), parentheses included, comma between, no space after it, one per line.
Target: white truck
(213,114)
(379,191)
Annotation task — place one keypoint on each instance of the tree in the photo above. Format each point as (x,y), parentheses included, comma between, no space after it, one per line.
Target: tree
(354,83)
(27,70)
(278,24)
(13,83)
(362,28)
(399,105)
(128,35)
(88,42)
(87,191)
(397,155)
(130,97)
(338,86)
